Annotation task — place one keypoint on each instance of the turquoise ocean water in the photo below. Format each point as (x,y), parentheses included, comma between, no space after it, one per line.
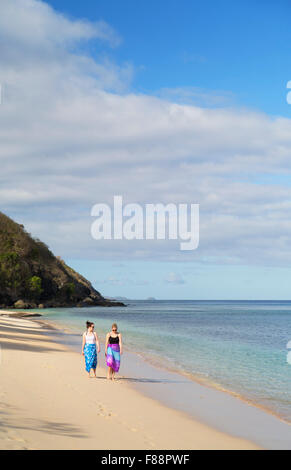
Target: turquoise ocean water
(238,345)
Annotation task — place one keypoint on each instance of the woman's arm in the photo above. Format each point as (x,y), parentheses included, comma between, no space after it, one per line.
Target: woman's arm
(120,343)
(106,343)
(97,342)
(83,343)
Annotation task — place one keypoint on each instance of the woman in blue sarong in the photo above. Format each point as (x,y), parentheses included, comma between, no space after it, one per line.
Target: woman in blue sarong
(90,347)
(113,350)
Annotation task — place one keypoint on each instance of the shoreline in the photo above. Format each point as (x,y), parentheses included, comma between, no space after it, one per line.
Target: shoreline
(204,382)
(260,415)
(37,402)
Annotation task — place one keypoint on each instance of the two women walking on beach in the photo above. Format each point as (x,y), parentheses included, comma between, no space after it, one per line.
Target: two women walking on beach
(113,350)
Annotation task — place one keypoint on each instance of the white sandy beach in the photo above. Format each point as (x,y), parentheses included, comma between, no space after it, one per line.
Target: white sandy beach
(48,402)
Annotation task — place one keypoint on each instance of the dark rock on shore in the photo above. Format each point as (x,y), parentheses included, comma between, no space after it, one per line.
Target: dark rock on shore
(20,314)
(32,277)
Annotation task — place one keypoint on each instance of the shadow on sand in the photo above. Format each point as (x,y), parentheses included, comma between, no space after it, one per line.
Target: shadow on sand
(47,427)
(25,347)
(141,380)
(148,380)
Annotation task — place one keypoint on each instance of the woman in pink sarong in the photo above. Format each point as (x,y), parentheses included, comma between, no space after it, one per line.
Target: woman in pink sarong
(113,350)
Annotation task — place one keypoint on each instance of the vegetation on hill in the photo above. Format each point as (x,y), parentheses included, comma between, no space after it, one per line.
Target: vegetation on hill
(31,276)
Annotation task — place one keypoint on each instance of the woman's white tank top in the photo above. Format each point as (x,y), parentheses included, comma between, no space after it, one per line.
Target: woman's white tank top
(90,338)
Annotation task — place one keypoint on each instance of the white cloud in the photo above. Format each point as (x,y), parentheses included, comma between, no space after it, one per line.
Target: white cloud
(121,281)
(72,135)
(33,24)
(174,278)
(197,96)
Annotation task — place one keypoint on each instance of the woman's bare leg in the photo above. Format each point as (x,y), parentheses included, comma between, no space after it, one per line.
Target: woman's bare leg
(109,373)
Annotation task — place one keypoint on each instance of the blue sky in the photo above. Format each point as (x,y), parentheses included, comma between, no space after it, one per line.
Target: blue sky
(241,47)
(157,101)
(179,281)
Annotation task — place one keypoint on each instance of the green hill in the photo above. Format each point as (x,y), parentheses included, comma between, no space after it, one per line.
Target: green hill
(31,276)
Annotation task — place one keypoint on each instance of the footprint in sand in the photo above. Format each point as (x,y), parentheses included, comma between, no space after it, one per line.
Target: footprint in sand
(104,411)
(151,445)
(101,411)
(127,426)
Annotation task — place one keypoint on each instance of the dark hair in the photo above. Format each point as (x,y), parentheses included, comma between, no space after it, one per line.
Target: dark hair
(89,323)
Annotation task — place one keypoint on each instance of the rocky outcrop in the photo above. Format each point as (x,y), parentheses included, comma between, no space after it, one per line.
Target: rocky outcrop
(32,277)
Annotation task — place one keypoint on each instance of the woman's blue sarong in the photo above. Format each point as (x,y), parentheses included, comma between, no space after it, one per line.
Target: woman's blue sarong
(90,353)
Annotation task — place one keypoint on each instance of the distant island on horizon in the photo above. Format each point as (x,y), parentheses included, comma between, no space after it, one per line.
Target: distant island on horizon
(118,297)
(32,277)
